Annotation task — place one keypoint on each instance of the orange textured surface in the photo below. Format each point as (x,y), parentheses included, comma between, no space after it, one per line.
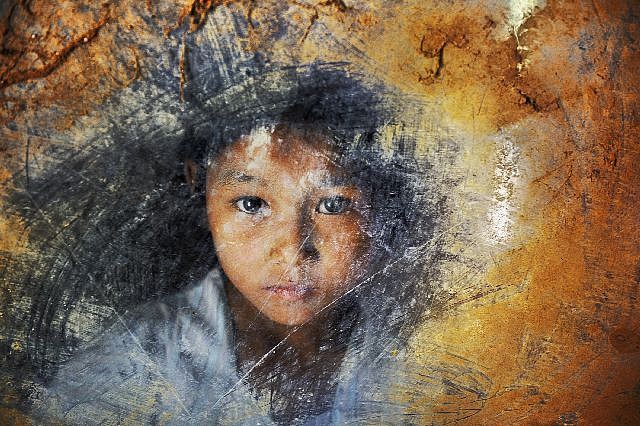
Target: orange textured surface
(550,313)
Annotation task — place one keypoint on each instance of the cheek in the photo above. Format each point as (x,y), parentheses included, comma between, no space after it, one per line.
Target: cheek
(238,245)
(342,242)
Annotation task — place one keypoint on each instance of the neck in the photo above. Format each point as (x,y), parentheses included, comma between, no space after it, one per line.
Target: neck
(299,376)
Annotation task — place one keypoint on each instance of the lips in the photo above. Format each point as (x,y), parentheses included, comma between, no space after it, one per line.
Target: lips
(290,292)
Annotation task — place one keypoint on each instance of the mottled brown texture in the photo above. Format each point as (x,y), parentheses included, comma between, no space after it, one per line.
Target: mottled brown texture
(551,317)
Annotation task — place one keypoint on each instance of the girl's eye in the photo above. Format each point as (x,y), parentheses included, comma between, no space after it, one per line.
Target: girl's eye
(333,205)
(250,205)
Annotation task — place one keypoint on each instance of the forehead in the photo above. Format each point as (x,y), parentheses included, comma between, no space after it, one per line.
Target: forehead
(280,150)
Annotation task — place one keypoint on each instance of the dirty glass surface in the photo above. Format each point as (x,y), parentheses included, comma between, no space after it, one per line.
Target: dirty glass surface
(239,212)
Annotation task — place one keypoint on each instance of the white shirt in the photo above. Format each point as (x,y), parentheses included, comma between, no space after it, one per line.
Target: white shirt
(173,362)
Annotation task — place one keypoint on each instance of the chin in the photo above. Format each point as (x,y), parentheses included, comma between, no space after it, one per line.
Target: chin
(291,318)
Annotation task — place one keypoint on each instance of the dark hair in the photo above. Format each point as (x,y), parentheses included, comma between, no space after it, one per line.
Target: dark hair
(359,117)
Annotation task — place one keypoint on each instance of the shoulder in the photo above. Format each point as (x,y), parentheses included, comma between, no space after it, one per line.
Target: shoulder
(149,363)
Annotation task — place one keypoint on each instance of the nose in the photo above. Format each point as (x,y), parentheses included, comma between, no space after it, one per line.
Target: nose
(294,240)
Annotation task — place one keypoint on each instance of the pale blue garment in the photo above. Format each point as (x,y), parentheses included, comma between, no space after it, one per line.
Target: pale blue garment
(175,364)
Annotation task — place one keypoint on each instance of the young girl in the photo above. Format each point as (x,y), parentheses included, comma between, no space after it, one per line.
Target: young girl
(299,321)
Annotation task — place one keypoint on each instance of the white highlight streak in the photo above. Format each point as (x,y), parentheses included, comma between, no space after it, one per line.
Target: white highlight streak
(505,177)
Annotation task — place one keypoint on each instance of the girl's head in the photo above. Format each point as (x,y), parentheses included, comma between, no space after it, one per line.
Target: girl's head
(303,202)
(290,221)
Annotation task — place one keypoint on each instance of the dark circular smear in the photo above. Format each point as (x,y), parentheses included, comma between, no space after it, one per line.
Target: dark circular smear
(120,223)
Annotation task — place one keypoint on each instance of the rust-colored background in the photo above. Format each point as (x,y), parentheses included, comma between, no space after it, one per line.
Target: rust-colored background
(547,310)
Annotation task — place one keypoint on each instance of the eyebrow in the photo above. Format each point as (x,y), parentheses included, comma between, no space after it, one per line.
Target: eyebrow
(339,180)
(233,177)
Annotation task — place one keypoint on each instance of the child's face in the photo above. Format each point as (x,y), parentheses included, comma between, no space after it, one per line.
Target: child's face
(288,224)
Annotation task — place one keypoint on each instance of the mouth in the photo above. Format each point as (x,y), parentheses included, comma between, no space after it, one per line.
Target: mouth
(291,292)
